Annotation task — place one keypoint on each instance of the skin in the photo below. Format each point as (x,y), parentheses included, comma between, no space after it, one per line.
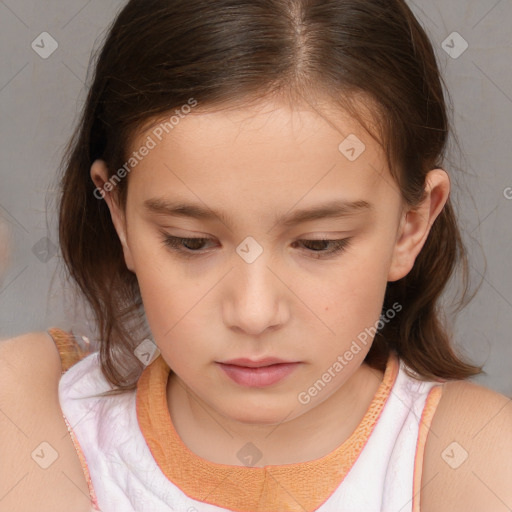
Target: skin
(255,163)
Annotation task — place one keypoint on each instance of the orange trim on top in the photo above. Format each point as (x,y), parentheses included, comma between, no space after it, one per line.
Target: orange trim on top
(85,468)
(427,415)
(70,353)
(69,349)
(297,487)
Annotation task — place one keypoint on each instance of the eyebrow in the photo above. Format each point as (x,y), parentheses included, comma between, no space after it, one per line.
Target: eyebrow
(332,209)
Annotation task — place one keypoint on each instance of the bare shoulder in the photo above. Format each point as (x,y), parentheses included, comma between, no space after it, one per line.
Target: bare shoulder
(39,467)
(17,353)
(467,462)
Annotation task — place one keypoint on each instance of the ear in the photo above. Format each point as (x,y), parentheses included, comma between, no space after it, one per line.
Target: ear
(99,175)
(416,223)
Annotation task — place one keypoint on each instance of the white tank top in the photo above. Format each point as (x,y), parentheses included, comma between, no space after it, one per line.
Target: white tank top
(134,461)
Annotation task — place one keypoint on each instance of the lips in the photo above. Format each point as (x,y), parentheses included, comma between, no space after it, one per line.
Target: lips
(257,376)
(250,363)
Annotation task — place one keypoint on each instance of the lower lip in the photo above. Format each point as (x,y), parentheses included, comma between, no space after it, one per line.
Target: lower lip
(258,377)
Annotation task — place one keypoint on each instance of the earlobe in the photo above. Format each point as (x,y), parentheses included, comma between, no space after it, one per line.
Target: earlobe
(416,224)
(99,175)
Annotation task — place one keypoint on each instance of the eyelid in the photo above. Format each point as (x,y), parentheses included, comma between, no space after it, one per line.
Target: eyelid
(190,233)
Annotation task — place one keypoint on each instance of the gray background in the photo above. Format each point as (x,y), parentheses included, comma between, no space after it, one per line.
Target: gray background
(40,101)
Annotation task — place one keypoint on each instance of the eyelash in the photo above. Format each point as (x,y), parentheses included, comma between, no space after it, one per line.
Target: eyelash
(174,243)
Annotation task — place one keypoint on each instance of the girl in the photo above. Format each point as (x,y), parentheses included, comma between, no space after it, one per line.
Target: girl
(254,205)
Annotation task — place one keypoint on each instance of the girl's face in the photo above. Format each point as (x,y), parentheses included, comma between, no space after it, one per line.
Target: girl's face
(252,287)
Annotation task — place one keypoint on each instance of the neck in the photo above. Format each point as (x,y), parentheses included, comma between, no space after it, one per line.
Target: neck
(306,437)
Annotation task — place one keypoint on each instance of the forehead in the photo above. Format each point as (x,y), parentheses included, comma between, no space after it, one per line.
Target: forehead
(268,151)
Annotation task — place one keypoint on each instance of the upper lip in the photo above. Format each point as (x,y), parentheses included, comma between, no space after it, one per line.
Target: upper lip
(250,363)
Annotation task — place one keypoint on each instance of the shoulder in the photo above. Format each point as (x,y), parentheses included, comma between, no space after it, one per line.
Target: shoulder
(38,463)
(17,354)
(467,461)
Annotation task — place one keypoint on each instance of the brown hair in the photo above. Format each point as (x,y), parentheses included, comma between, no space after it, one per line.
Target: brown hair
(160,53)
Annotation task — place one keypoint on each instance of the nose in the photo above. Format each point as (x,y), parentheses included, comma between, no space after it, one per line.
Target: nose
(256,300)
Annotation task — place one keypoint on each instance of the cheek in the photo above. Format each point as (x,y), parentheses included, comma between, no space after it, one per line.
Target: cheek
(167,301)
(351,300)
(173,309)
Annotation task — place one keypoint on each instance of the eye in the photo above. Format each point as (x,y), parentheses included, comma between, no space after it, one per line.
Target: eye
(337,246)
(189,247)
(182,245)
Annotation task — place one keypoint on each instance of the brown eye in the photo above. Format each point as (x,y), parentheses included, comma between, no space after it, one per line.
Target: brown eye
(338,246)
(184,246)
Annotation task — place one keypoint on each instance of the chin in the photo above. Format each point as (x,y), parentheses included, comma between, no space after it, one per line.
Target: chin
(260,415)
